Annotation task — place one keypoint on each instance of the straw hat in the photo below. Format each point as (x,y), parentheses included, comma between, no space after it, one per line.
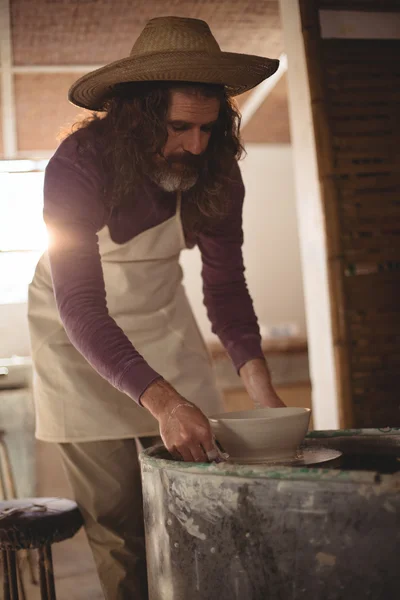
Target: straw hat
(174,49)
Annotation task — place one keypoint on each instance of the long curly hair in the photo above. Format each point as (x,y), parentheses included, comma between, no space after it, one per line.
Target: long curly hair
(133,128)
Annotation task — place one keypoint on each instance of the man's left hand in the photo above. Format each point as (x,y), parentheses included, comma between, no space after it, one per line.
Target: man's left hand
(257,381)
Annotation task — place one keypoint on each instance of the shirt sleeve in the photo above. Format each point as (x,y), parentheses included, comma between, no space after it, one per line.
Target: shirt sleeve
(226,296)
(74,212)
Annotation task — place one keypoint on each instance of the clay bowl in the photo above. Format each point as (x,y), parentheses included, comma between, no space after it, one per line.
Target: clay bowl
(261,435)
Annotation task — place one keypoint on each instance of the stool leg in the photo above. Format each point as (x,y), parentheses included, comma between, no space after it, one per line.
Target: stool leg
(2,490)
(9,481)
(20,581)
(7,491)
(31,565)
(42,576)
(6,576)
(12,569)
(48,563)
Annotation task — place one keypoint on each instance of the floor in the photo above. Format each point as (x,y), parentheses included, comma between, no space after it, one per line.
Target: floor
(75,573)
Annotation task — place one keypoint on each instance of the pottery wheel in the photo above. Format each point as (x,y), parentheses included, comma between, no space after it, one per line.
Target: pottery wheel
(306,456)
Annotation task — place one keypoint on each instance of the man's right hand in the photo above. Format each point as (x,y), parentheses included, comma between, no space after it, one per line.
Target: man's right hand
(184,429)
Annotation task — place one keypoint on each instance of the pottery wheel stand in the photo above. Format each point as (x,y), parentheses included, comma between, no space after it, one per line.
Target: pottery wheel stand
(321,531)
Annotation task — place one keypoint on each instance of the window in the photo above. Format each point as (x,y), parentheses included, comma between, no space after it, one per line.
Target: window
(23,236)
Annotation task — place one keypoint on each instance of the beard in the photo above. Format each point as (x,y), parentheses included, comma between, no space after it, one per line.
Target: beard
(176,173)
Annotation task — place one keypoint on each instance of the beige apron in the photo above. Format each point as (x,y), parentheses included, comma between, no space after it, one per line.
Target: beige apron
(146,298)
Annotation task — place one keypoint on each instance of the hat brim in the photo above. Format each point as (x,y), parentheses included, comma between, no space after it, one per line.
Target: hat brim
(237,72)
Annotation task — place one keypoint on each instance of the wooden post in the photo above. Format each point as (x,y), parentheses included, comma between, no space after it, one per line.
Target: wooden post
(313,241)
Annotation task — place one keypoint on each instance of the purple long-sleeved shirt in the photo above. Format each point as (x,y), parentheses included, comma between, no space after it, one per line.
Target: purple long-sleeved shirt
(74,212)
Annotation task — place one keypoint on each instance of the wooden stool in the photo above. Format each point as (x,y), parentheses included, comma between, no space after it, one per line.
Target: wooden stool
(8,491)
(35,523)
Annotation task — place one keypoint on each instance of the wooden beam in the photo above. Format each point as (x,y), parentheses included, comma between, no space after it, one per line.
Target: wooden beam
(313,248)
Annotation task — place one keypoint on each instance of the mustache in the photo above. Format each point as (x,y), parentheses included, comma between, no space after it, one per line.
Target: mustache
(194,161)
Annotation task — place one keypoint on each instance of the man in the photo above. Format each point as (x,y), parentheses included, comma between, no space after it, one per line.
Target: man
(116,350)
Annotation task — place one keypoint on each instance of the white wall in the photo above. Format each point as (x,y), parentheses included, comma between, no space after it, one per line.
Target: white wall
(271,247)
(271,253)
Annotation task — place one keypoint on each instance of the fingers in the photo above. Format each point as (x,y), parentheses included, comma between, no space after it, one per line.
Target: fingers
(188,435)
(208,443)
(192,453)
(205,450)
(199,455)
(174,453)
(212,454)
(185,454)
